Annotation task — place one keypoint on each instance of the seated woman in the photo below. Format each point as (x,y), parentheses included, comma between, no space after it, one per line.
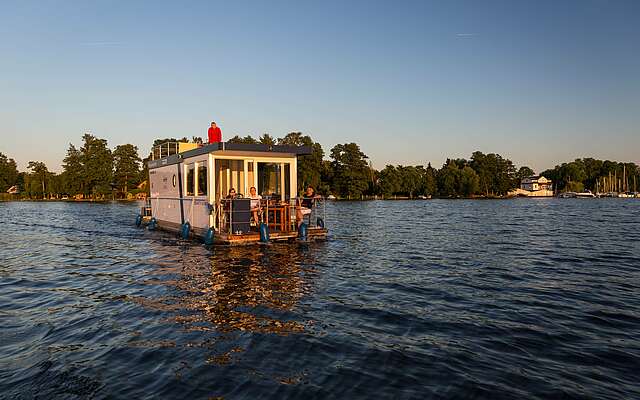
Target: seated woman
(255,204)
(226,204)
(232,195)
(305,205)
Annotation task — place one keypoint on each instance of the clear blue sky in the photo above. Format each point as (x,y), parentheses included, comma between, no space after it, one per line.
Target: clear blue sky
(411,82)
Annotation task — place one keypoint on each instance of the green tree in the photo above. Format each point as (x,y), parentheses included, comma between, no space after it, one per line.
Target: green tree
(245,140)
(448,179)
(497,175)
(350,170)
(524,172)
(126,167)
(309,166)
(469,182)
(73,171)
(430,185)
(8,173)
(411,179)
(389,181)
(326,177)
(39,174)
(97,162)
(267,139)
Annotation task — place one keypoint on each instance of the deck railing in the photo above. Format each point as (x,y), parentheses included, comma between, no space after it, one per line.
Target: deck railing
(240,216)
(165,149)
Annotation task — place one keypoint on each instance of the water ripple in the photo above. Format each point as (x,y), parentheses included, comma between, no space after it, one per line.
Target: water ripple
(409,299)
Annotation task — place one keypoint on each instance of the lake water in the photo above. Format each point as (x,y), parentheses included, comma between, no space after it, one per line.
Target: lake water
(532,298)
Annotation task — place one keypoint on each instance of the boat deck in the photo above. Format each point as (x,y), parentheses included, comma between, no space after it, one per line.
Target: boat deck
(254,237)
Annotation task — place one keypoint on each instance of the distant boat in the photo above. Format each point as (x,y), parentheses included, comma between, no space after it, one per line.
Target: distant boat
(13,190)
(331,197)
(577,195)
(587,194)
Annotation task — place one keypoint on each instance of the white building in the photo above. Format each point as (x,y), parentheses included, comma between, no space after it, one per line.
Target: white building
(535,183)
(534,186)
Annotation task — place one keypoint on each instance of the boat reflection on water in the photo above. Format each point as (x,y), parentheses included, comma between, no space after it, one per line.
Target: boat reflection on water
(230,290)
(245,289)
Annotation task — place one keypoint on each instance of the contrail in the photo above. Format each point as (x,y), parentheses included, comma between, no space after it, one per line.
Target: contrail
(100,44)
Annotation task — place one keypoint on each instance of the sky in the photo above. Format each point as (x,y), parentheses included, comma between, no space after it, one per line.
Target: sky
(412,82)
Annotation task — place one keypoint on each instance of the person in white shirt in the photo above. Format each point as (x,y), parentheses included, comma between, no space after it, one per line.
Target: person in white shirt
(255,203)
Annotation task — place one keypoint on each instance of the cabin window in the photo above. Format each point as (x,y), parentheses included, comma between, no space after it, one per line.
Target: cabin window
(229,174)
(287,183)
(250,174)
(202,180)
(269,179)
(174,180)
(190,183)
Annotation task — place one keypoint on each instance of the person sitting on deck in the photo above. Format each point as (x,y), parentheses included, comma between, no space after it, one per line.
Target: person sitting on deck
(232,194)
(226,204)
(214,133)
(306,204)
(255,203)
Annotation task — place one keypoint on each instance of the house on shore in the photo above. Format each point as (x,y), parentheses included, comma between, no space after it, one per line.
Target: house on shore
(534,186)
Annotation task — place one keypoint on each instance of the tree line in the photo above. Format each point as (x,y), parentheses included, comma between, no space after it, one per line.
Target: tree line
(595,175)
(96,171)
(91,171)
(349,174)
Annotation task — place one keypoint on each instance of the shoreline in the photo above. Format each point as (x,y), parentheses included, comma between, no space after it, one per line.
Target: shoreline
(332,200)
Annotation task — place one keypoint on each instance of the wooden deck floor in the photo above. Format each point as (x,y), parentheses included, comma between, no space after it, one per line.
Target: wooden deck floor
(254,237)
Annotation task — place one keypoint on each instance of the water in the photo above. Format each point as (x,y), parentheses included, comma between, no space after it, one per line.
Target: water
(425,299)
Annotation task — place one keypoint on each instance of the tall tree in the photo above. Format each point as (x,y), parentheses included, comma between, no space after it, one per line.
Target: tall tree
(524,172)
(350,168)
(469,182)
(430,186)
(497,175)
(8,172)
(73,171)
(39,174)
(449,179)
(126,163)
(267,139)
(97,161)
(309,166)
(389,181)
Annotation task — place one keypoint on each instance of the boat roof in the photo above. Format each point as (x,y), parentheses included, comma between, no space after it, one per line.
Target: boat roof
(236,147)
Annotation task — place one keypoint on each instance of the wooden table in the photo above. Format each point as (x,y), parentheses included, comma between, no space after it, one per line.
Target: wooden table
(281,217)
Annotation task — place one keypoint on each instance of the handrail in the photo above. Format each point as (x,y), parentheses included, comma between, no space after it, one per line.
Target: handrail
(286,221)
(165,149)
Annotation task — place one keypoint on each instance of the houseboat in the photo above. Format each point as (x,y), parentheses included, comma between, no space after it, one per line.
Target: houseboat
(192,193)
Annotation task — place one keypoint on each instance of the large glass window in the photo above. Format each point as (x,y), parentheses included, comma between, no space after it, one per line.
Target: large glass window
(229,174)
(190,185)
(269,179)
(202,180)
